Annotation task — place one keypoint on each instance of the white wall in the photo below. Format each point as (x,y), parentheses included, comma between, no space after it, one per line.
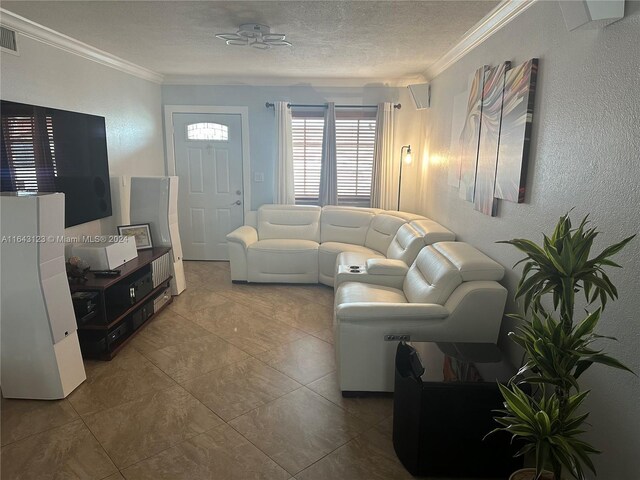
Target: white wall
(45,75)
(585,153)
(262,121)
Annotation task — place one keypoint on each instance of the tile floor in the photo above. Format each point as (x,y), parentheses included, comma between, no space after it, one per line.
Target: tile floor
(230,382)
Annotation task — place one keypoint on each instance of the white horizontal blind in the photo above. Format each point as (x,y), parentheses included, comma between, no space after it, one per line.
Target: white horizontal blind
(355,141)
(26,149)
(307,156)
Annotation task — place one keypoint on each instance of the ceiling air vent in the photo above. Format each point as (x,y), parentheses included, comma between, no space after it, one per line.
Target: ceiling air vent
(8,40)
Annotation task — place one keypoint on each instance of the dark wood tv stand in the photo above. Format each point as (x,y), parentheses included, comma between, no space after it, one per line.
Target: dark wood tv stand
(113,325)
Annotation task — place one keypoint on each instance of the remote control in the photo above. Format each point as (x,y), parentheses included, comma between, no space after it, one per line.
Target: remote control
(106,273)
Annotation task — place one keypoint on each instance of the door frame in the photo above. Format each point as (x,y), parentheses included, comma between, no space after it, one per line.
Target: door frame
(169,132)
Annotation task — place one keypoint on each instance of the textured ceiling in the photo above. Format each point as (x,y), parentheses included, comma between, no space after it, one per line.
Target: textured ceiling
(332,39)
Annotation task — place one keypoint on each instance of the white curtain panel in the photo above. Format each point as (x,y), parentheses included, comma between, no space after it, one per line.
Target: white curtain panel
(383,187)
(284,188)
(329,169)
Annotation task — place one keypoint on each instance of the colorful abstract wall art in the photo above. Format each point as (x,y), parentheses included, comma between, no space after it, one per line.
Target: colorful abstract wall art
(470,137)
(515,132)
(492,93)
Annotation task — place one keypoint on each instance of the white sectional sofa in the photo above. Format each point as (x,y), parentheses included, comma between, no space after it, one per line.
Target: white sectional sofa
(307,244)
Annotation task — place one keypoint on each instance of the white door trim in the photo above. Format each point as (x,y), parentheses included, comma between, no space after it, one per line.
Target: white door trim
(169,110)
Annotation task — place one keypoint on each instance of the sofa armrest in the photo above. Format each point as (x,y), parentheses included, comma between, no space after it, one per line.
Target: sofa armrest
(344,275)
(386,266)
(374,311)
(244,235)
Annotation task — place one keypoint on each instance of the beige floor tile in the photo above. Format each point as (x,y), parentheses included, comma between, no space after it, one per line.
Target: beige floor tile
(215,279)
(115,476)
(281,302)
(128,376)
(298,429)
(195,357)
(370,456)
(167,329)
(241,326)
(143,427)
(371,408)
(221,453)
(306,316)
(69,452)
(326,335)
(194,298)
(21,418)
(250,296)
(315,293)
(127,358)
(194,278)
(236,389)
(304,360)
(205,265)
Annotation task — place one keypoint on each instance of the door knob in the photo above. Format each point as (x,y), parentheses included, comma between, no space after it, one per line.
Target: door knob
(238,192)
(237,202)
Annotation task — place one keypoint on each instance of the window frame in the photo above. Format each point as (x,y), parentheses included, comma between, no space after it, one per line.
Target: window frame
(342,150)
(224,129)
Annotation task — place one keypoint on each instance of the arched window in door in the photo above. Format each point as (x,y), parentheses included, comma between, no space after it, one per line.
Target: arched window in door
(208,131)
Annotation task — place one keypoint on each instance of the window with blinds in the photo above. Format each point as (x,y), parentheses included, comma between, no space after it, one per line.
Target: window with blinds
(29,148)
(307,155)
(355,141)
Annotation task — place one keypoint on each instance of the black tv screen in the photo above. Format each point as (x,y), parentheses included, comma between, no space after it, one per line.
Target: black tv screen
(50,150)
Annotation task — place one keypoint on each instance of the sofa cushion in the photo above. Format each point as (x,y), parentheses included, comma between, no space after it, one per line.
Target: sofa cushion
(336,248)
(287,260)
(406,244)
(283,245)
(432,232)
(432,278)
(301,222)
(356,292)
(381,231)
(406,216)
(471,262)
(343,224)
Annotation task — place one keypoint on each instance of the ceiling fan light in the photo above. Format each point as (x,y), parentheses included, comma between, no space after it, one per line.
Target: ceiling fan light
(256,35)
(240,42)
(272,37)
(281,43)
(261,45)
(226,36)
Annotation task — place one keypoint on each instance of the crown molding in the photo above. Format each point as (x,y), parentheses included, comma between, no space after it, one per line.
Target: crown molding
(43,34)
(255,81)
(490,24)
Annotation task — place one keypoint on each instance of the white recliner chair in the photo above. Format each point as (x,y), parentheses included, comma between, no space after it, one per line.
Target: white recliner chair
(450,294)
(404,247)
(283,247)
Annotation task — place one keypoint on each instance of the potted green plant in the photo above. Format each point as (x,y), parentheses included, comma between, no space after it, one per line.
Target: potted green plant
(559,347)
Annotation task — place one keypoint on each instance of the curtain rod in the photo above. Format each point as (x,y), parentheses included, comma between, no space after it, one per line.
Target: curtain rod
(324,105)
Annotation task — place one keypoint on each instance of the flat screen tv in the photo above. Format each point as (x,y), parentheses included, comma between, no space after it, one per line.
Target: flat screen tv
(49,150)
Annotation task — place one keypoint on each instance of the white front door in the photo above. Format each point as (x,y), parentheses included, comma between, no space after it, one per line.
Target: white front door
(208,153)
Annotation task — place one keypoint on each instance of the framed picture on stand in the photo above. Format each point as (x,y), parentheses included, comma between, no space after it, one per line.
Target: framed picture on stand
(140,232)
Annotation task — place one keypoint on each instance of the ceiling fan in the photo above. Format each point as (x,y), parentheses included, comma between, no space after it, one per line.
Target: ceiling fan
(254,35)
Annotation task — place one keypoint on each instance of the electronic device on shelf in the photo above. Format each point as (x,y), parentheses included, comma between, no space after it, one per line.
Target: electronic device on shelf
(105,273)
(85,306)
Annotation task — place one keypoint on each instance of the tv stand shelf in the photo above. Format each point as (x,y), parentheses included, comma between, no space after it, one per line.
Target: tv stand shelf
(119,315)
